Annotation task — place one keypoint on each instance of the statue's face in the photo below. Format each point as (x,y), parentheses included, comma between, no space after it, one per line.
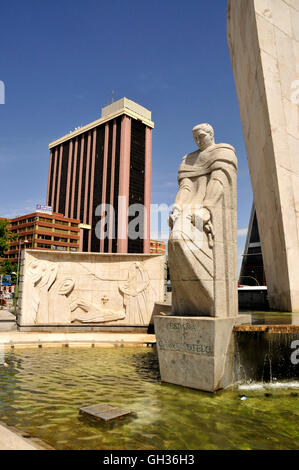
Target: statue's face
(203,139)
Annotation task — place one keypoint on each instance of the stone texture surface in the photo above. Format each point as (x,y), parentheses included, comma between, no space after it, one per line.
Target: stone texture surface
(7,321)
(161,308)
(89,289)
(12,438)
(263,37)
(195,343)
(9,440)
(197,352)
(104,412)
(294,328)
(20,339)
(202,245)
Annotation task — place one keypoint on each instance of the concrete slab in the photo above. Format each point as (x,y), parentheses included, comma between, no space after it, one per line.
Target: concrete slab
(18,339)
(6,315)
(7,320)
(9,440)
(8,326)
(104,412)
(266,78)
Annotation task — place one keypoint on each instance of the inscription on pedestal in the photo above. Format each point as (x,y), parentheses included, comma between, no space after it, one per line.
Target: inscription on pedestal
(195,352)
(180,326)
(184,335)
(185,347)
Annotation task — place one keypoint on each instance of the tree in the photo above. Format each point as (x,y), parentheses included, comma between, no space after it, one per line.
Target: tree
(6,267)
(5,236)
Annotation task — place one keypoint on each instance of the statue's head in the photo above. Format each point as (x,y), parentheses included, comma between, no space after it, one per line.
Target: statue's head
(203,134)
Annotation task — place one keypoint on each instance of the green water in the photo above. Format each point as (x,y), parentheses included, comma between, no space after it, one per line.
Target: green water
(41,392)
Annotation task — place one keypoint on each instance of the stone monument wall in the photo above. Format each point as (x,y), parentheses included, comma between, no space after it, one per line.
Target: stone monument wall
(89,290)
(263,37)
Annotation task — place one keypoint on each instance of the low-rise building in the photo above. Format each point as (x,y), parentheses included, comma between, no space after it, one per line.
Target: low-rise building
(157,246)
(43,231)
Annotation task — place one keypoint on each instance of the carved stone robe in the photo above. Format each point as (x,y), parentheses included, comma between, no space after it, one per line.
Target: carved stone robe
(203,259)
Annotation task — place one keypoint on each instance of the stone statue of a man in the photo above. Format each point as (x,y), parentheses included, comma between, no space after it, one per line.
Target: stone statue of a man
(202,246)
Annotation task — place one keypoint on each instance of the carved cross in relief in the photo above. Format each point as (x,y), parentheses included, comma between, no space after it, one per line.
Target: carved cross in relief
(105,299)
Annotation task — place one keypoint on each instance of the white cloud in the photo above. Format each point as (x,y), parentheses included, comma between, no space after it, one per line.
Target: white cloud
(12,212)
(242,232)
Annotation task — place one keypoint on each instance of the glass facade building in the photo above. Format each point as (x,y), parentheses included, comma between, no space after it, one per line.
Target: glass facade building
(252,270)
(107,162)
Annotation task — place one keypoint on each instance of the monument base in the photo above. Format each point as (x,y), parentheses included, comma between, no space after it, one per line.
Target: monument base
(197,352)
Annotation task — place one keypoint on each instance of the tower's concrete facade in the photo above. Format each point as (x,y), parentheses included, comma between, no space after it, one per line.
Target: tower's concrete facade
(263,37)
(106,163)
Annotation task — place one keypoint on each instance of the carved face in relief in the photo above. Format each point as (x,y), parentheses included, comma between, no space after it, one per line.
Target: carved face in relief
(203,135)
(42,273)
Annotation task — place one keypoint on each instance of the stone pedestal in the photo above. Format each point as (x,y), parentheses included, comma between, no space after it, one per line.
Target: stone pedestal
(197,352)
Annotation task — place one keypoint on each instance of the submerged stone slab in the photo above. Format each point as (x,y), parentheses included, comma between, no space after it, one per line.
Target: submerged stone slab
(104,412)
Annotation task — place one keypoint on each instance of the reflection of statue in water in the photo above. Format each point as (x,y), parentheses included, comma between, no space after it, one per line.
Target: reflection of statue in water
(203,242)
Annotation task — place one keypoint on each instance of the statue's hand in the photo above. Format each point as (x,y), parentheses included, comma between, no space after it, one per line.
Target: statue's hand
(171,220)
(202,216)
(209,229)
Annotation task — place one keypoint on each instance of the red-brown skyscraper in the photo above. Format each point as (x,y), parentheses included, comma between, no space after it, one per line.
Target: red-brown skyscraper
(105,162)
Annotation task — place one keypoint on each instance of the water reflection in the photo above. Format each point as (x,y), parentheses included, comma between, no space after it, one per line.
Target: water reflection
(42,390)
(272,318)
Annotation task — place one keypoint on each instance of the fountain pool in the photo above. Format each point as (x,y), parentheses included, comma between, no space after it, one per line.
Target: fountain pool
(42,390)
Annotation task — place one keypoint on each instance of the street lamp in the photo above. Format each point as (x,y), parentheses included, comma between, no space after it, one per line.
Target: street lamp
(21,242)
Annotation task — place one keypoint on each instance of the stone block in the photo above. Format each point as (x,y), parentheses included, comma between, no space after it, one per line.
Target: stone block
(196,352)
(104,412)
(264,75)
(89,290)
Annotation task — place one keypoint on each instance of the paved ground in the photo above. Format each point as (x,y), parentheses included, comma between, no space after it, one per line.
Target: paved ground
(7,320)
(9,440)
(19,339)
(6,315)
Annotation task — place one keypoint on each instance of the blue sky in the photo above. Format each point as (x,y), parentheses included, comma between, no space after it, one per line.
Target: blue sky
(60,61)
